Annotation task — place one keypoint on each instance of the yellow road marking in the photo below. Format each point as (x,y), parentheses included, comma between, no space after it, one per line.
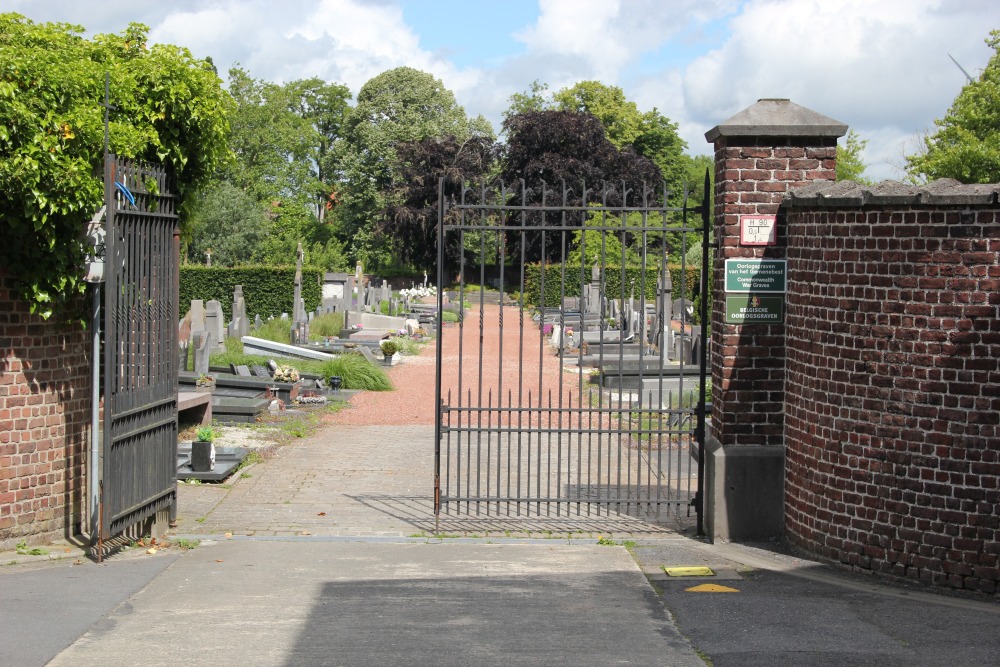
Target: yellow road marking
(711,588)
(698,571)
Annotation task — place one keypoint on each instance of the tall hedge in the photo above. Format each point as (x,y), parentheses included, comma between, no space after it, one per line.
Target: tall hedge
(268,290)
(612,281)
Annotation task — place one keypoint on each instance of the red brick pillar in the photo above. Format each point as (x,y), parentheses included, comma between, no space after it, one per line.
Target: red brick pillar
(760,154)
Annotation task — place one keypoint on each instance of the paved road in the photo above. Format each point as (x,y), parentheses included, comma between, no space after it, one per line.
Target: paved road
(325,555)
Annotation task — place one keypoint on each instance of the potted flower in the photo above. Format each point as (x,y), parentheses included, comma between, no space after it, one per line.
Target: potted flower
(203,450)
(389,348)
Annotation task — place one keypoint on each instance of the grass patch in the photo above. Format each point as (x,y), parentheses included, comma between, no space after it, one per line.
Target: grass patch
(356,372)
(23,550)
(186,544)
(325,325)
(251,458)
(277,330)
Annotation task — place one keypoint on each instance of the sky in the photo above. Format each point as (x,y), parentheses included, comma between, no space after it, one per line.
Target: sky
(880,66)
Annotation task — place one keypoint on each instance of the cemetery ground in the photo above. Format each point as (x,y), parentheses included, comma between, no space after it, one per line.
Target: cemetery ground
(324,550)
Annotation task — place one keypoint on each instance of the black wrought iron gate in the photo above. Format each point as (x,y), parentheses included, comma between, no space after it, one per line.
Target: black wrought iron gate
(577,384)
(139,471)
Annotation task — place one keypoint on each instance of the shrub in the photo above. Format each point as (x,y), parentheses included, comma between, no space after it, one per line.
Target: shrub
(389,347)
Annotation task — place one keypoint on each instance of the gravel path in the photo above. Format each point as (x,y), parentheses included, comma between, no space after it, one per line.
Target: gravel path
(412,400)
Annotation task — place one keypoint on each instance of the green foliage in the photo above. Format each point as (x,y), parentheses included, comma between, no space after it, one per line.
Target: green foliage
(205,434)
(268,290)
(449,316)
(389,347)
(850,166)
(22,549)
(277,330)
(230,223)
(613,281)
(327,324)
(169,107)
(966,145)
(356,372)
(400,105)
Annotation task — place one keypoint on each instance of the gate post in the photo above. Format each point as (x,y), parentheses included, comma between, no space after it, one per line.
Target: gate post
(760,154)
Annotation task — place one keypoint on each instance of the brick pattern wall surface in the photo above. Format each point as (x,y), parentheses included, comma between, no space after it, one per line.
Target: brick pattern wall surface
(752,175)
(892,410)
(44,423)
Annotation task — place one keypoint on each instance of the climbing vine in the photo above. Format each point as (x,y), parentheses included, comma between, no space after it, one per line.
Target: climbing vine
(168,107)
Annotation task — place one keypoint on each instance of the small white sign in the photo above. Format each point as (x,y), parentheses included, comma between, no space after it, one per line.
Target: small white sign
(758,229)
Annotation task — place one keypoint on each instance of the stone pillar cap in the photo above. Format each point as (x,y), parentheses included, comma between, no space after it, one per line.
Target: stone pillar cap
(777,118)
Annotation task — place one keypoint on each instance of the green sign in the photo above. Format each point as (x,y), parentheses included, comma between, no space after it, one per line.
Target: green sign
(754,309)
(756,275)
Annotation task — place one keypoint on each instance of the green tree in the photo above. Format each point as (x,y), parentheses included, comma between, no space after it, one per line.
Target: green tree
(410,220)
(230,224)
(536,98)
(966,145)
(649,134)
(282,138)
(325,106)
(169,107)
(850,166)
(271,143)
(400,105)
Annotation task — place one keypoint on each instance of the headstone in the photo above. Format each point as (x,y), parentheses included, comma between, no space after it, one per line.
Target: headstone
(257,322)
(202,343)
(240,323)
(214,323)
(682,310)
(386,291)
(412,326)
(367,354)
(197,315)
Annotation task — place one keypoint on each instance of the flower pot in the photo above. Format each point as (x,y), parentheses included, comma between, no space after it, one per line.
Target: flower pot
(202,456)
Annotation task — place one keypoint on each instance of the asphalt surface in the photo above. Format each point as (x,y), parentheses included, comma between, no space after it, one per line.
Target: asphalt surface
(326,554)
(327,600)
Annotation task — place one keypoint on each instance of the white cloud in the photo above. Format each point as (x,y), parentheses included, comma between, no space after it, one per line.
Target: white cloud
(882,67)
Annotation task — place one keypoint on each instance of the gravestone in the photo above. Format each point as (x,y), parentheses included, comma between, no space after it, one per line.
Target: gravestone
(214,319)
(336,292)
(202,343)
(682,310)
(367,354)
(197,315)
(257,322)
(240,325)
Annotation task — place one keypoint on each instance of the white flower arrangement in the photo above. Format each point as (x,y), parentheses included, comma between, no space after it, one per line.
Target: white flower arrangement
(286,374)
(418,292)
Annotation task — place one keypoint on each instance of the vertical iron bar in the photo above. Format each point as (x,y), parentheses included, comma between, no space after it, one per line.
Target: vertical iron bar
(438,347)
(703,356)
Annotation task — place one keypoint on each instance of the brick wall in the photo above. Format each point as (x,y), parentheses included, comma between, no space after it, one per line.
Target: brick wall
(892,395)
(752,175)
(44,423)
